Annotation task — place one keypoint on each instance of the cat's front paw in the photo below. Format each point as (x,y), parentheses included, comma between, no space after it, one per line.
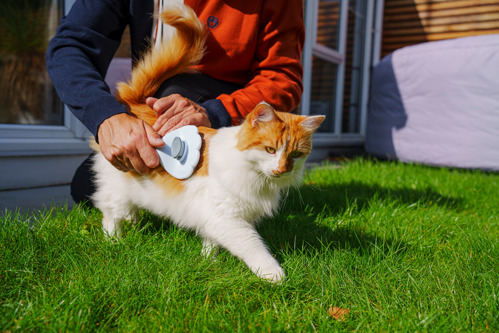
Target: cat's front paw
(273,274)
(210,250)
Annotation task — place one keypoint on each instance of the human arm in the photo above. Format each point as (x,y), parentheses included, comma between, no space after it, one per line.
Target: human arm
(77,59)
(79,55)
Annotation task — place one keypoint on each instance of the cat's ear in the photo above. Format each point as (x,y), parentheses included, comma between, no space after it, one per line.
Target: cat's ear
(262,113)
(311,123)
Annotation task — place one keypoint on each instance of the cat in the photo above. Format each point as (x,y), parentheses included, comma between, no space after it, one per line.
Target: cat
(241,173)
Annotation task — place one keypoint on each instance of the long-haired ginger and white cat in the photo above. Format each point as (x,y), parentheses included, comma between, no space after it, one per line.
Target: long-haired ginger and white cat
(241,173)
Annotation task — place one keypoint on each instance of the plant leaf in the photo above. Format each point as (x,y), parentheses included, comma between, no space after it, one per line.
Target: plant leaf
(338,313)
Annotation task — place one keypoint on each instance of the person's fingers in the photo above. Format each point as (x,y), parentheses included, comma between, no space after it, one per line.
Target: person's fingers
(120,166)
(164,103)
(175,111)
(196,119)
(166,108)
(154,138)
(128,165)
(137,164)
(170,124)
(146,150)
(131,150)
(118,160)
(140,154)
(150,101)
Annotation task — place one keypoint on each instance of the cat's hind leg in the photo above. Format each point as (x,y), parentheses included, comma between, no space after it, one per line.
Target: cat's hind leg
(112,219)
(111,226)
(111,195)
(115,208)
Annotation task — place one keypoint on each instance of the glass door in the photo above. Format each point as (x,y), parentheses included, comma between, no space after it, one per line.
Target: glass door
(337,60)
(323,57)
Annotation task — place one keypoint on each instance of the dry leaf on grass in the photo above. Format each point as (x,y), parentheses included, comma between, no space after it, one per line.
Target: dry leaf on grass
(338,313)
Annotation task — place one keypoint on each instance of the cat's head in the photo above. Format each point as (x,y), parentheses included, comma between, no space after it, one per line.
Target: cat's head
(277,143)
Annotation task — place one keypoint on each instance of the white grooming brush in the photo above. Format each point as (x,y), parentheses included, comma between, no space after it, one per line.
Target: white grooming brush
(180,154)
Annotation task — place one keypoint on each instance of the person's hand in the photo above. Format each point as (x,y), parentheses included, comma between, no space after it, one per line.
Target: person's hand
(128,143)
(175,111)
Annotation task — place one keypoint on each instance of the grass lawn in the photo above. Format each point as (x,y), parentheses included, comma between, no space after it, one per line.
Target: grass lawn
(399,247)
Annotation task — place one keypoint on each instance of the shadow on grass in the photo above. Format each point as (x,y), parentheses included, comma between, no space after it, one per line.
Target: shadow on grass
(301,233)
(339,197)
(152,224)
(298,225)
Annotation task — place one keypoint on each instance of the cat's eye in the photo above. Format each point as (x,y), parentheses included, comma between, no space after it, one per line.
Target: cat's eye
(270,150)
(295,154)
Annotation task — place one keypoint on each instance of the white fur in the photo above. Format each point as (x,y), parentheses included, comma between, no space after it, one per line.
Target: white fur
(222,207)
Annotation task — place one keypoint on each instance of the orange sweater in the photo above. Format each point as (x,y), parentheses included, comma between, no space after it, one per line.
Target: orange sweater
(253,43)
(265,57)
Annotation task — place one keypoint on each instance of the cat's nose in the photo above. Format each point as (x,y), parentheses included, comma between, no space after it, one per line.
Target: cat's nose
(285,166)
(280,171)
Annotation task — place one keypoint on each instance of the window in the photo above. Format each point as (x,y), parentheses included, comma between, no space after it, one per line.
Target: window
(26,93)
(41,143)
(33,121)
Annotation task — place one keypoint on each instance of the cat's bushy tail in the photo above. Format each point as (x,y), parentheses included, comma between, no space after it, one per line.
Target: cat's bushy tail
(184,50)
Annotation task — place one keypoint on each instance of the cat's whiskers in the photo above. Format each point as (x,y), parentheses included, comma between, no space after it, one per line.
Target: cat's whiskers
(262,178)
(284,196)
(299,195)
